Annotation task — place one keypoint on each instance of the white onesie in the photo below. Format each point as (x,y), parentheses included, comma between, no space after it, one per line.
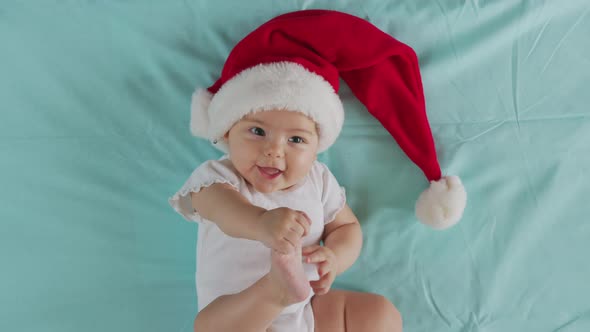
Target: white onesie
(227,265)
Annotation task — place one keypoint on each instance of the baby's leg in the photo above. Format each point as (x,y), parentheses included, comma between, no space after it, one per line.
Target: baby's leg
(347,311)
(253,309)
(287,271)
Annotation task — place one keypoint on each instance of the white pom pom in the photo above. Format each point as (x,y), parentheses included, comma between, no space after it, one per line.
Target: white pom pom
(199,116)
(442,204)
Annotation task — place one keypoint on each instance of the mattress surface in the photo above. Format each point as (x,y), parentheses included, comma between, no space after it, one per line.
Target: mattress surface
(94,138)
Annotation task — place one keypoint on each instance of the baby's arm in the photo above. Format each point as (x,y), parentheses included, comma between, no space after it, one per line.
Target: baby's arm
(344,237)
(280,229)
(223,205)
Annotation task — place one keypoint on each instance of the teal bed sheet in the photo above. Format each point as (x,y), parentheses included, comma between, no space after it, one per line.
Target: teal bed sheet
(94,138)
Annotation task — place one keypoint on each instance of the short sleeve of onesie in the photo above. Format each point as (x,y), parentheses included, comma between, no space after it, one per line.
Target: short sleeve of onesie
(333,195)
(207,174)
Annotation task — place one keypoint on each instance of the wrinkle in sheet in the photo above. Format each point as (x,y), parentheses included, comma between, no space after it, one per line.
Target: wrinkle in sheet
(539,34)
(540,11)
(515,83)
(465,96)
(307,4)
(411,251)
(472,324)
(538,102)
(474,5)
(530,300)
(472,138)
(427,290)
(493,228)
(497,90)
(527,173)
(449,30)
(573,320)
(564,37)
(475,277)
(515,68)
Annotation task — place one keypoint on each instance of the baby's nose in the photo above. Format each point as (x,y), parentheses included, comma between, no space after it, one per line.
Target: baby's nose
(273,150)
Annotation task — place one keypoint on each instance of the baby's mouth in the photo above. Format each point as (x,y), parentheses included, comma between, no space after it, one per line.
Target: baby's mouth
(269,172)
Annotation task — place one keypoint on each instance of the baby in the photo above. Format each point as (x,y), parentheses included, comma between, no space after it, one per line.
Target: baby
(274,226)
(263,211)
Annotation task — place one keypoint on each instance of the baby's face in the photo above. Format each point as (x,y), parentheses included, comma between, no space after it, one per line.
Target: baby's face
(273,150)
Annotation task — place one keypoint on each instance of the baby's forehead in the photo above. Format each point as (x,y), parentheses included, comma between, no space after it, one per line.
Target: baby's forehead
(283,118)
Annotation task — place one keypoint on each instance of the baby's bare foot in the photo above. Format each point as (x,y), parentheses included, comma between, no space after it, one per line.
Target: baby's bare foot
(287,272)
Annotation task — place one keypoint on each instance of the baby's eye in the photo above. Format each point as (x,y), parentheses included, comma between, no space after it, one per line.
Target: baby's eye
(296,139)
(257,131)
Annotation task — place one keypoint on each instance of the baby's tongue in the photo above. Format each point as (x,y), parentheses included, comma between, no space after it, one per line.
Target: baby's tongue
(270,170)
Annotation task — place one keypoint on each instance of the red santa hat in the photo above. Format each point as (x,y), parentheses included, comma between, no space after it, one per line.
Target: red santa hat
(294,62)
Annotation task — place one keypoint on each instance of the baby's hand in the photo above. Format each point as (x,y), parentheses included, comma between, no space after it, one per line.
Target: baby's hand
(283,228)
(326,262)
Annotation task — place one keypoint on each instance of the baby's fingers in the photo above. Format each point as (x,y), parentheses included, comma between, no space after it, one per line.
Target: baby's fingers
(304,221)
(284,246)
(317,256)
(309,249)
(294,239)
(320,287)
(324,268)
(297,228)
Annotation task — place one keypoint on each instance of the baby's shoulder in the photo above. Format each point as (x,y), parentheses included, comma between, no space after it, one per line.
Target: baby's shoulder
(319,169)
(218,169)
(319,174)
(222,164)
(225,162)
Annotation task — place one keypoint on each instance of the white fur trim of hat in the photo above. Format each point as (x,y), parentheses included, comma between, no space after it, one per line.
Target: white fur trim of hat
(279,85)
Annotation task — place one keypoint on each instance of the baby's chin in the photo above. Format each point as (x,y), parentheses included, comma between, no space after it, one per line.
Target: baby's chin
(267,188)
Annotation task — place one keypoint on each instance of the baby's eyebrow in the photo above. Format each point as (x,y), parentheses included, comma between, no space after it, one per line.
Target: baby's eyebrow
(301,130)
(255,121)
(262,123)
